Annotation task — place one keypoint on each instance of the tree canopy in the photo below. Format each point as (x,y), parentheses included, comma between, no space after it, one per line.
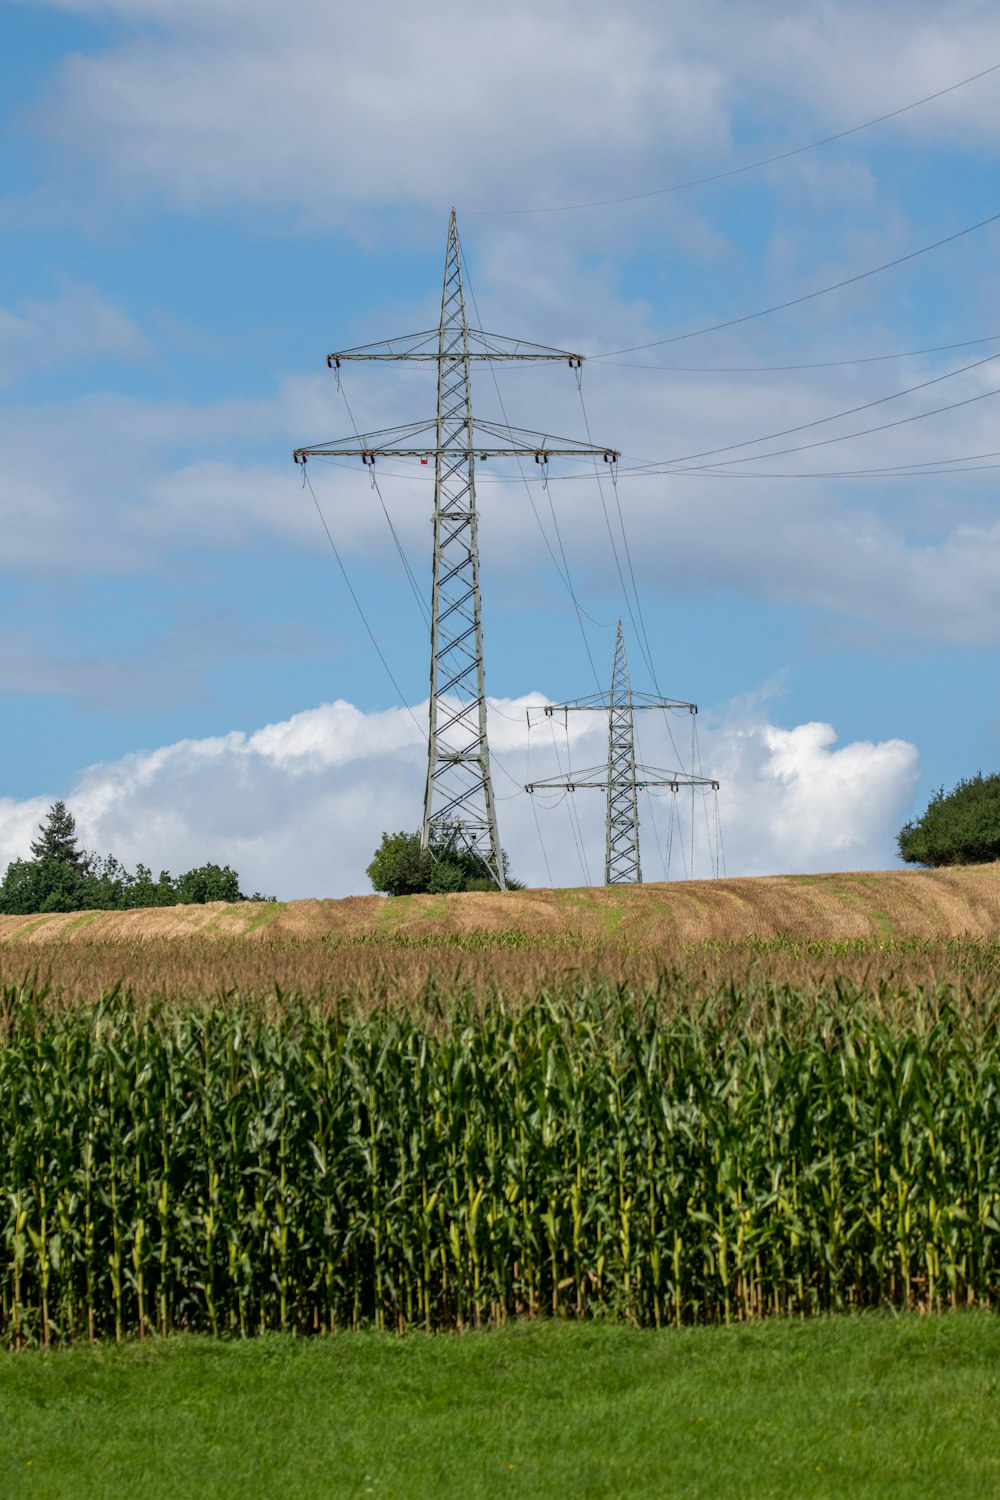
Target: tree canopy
(400,867)
(961,827)
(62,877)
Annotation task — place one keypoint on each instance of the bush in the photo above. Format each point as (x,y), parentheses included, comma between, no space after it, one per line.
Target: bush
(400,867)
(960,828)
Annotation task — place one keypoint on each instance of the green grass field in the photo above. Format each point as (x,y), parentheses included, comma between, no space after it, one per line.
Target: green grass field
(856,1407)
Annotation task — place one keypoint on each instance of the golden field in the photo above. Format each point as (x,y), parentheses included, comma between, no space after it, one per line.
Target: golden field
(913,927)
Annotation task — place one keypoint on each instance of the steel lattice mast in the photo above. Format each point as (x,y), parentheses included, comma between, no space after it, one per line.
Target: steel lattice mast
(458,797)
(624,777)
(621,850)
(459,806)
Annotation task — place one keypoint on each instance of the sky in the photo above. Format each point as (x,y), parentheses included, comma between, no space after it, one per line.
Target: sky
(199,200)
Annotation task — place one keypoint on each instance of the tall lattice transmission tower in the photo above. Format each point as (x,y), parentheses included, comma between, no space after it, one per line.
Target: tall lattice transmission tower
(623,777)
(459,808)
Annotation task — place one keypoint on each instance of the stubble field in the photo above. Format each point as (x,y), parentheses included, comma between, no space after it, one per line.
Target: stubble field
(908,927)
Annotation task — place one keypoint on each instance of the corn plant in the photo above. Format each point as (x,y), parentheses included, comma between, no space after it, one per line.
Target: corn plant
(237,1167)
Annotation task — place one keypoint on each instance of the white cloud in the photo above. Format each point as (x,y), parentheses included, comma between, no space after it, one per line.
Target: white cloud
(78,326)
(298,807)
(316,106)
(320,108)
(790,792)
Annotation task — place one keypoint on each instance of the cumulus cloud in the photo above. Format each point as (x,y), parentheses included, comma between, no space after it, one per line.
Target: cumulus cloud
(298,807)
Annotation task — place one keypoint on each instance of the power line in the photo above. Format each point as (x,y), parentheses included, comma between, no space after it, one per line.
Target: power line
(574,821)
(642,633)
(825,364)
(834,416)
(752,166)
(357,602)
(707,472)
(895,471)
(846,436)
(563,572)
(641,636)
(930,465)
(541,841)
(822,291)
(407,569)
(672,465)
(668,465)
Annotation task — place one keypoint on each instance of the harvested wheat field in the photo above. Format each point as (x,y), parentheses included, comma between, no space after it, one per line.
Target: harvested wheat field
(957,902)
(912,925)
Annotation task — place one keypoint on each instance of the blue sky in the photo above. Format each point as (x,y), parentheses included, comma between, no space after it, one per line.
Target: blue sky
(200,200)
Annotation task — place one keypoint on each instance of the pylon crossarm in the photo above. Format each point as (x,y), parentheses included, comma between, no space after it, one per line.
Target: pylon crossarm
(673,779)
(597,780)
(601,703)
(594,776)
(482,346)
(489,440)
(369,455)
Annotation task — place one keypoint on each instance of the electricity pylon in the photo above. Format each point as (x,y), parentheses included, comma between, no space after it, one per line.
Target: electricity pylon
(458,798)
(623,777)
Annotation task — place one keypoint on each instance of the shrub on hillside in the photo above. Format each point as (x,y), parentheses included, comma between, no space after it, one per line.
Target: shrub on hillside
(400,867)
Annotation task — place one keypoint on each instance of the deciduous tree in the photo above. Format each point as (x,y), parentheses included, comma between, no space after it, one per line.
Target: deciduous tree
(961,827)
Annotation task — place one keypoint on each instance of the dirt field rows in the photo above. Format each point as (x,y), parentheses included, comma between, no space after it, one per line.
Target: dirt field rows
(890,904)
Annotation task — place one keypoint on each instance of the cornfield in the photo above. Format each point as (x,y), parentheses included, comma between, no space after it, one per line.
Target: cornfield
(238,1167)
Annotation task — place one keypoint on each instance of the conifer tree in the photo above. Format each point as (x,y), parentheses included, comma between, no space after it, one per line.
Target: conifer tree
(57,838)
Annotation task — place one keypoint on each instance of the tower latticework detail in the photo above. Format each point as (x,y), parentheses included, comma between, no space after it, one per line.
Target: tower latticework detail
(458,799)
(621,860)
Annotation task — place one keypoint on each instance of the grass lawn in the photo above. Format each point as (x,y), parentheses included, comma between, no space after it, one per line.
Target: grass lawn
(849,1407)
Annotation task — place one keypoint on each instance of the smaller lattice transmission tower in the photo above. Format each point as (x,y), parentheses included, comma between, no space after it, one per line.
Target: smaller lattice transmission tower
(623,777)
(459,807)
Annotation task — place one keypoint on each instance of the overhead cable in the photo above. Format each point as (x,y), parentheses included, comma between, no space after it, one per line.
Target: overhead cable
(357,602)
(823,364)
(843,438)
(888,473)
(822,291)
(939,465)
(564,572)
(753,166)
(833,417)
(407,569)
(641,635)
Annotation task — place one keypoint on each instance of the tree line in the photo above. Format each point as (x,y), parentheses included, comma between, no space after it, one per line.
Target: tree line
(958,827)
(60,876)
